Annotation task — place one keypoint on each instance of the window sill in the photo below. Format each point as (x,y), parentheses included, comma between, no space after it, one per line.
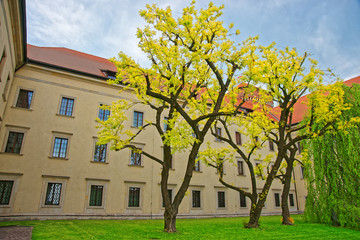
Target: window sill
(136,127)
(5,206)
(51,206)
(219,141)
(95,207)
(60,115)
(241,175)
(196,208)
(99,162)
(244,208)
(20,108)
(139,166)
(15,154)
(197,171)
(221,208)
(133,208)
(58,158)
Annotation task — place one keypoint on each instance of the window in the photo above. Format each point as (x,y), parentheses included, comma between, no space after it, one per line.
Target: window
(256,139)
(238,138)
(291,200)
(197,165)
(24,99)
(196,199)
(242,200)
(271,145)
(134,197)
(103,113)
(165,123)
(96,195)
(5,192)
(170,196)
(138,119)
(277,199)
(240,165)
(218,133)
(14,142)
(100,153)
(53,194)
(135,158)
(302,172)
(67,105)
(60,147)
(221,199)
(258,166)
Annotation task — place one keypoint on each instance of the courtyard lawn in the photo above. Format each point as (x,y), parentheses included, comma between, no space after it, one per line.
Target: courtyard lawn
(213,228)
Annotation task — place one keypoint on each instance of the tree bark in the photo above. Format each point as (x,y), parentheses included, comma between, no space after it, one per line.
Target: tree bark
(170,220)
(285,195)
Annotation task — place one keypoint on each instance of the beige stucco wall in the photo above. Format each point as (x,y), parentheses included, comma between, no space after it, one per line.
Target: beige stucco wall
(34,167)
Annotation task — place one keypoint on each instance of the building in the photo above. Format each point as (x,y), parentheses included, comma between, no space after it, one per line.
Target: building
(50,167)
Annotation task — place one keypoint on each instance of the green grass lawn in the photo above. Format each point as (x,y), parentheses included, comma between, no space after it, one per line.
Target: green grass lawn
(196,229)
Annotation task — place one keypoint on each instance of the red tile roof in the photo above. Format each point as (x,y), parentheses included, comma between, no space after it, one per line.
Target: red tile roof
(300,107)
(70,59)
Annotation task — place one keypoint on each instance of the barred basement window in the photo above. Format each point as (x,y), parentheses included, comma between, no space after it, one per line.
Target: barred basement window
(134,197)
(53,194)
(196,199)
(14,142)
(24,99)
(5,192)
(96,195)
(221,199)
(135,158)
(103,113)
(138,119)
(100,153)
(60,147)
(242,200)
(67,105)
(277,199)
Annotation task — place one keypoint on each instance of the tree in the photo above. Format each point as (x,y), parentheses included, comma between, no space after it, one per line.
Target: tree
(333,170)
(194,69)
(283,77)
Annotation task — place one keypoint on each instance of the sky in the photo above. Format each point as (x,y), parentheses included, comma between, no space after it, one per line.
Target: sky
(327,29)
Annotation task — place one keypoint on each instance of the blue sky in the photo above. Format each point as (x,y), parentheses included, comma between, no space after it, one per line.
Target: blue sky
(327,29)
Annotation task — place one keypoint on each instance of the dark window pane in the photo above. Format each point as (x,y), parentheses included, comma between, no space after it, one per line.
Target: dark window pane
(5,192)
(170,196)
(197,166)
(60,147)
(277,200)
(291,200)
(96,194)
(240,168)
(271,145)
(218,133)
(53,194)
(221,199)
(14,142)
(238,138)
(134,197)
(24,99)
(66,107)
(242,200)
(100,153)
(195,199)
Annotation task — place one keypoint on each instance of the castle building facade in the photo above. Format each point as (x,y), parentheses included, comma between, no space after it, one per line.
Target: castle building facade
(50,165)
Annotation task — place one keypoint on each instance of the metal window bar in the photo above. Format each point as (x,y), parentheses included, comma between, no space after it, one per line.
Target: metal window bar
(53,194)
(100,153)
(242,200)
(221,199)
(96,194)
(66,106)
(135,158)
(5,192)
(134,197)
(196,199)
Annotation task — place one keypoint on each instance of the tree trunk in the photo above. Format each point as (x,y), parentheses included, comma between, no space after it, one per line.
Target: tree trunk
(285,195)
(170,220)
(255,213)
